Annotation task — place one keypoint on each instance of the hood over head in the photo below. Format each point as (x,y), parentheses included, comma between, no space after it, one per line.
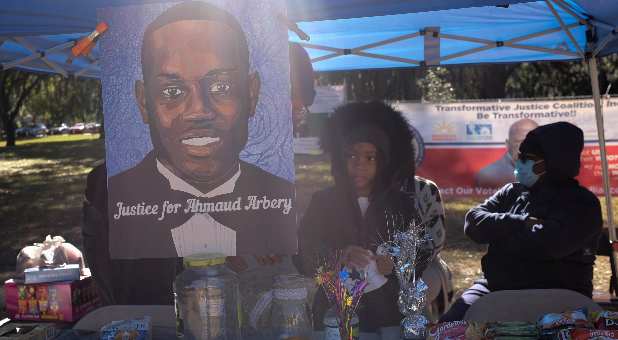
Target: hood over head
(560,145)
(376,123)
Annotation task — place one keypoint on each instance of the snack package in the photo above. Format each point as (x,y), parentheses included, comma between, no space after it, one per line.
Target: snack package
(476,330)
(511,329)
(570,319)
(595,334)
(454,330)
(605,320)
(138,329)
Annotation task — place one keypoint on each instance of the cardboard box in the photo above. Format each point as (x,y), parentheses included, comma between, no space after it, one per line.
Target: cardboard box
(55,301)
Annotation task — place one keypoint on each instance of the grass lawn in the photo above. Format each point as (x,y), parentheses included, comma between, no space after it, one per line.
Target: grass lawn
(42,182)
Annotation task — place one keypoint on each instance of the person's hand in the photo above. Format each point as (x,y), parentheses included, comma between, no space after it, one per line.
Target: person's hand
(236,263)
(357,257)
(534,224)
(385,264)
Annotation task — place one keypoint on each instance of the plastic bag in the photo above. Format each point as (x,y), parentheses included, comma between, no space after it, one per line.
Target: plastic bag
(53,252)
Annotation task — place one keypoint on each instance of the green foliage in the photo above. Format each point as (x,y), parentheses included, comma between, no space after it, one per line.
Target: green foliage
(436,86)
(482,81)
(66,100)
(559,79)
(15,88)
(49,99)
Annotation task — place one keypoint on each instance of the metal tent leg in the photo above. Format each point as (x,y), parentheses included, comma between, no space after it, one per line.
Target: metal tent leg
(598,109)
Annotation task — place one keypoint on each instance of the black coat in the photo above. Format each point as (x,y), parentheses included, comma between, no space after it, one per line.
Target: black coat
(559,250)
(258,232)
(134,280)
(332,222)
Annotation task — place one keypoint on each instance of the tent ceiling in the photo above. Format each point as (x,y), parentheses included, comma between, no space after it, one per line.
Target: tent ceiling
(521,32)
(37,34)
(47,17)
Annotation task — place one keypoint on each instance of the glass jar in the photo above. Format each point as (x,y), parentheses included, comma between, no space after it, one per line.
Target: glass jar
(290,313)
(331,326)
(207,300)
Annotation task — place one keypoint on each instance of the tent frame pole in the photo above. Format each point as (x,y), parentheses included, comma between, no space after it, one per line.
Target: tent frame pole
(567,8)
(611,36)
(488,45)
(564,27)
(598,110)
(35,55)
(55,67)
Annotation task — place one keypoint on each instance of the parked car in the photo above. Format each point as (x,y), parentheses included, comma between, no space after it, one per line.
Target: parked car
(92,127)
(38,130)
(77,128)
(60,129)
(34,130)
(21,132)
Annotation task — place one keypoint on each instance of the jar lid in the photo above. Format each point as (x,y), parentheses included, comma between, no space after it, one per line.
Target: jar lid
(204,260)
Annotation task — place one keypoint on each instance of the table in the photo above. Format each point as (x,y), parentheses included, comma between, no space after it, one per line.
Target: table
(163,324)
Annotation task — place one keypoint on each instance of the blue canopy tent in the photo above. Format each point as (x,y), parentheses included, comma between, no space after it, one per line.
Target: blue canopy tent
(36,35)
(497,32)
(351,34)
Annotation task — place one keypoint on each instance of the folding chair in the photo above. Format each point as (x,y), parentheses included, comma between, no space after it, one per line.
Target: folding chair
(527,305)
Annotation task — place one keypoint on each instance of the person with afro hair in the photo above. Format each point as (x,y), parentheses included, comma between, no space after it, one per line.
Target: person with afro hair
(370,145)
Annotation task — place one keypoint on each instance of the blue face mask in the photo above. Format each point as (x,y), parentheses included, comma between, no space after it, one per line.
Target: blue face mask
(524,173)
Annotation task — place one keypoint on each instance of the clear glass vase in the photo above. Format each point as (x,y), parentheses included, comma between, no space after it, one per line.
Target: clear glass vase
(206,300)
(290,313)
(335,330)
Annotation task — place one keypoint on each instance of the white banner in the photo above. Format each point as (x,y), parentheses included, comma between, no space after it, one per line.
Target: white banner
(489,122)
(468,147)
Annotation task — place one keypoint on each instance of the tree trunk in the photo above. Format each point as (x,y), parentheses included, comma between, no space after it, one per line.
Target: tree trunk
(9,125)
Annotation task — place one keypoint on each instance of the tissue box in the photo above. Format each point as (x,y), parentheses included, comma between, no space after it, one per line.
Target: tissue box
(69,272)
(56,301)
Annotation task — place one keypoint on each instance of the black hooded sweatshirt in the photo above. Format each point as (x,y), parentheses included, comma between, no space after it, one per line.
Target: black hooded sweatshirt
(558,250)
(333,219)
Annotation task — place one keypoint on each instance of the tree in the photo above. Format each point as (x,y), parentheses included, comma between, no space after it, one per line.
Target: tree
(559,79)
(66,100)
(15,87)
(436,86)
(482,81)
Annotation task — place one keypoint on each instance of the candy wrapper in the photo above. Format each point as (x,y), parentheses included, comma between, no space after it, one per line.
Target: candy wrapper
(559,325)
(455,330)
(409,246)
(605,320)
(585,334)
(139,329)
(571,319)
(512,330)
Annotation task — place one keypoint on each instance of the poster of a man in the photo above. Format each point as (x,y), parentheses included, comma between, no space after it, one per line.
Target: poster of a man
(193,192)
(500,172)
